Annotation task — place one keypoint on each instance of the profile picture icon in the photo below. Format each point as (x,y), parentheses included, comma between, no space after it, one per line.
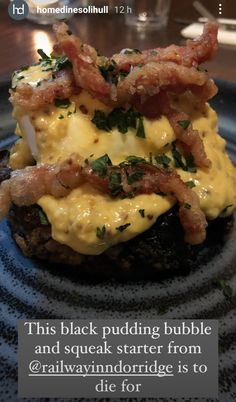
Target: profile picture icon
(18,9)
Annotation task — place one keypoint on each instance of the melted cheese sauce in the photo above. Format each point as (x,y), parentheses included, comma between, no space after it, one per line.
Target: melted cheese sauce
(75,218)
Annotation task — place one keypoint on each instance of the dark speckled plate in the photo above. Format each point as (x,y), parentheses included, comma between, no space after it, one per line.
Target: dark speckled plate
(30,289)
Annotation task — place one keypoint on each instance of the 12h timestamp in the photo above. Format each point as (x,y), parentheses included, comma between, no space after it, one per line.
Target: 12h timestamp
(123,9)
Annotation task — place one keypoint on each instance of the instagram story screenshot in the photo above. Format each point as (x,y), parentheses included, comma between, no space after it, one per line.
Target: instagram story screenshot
(117,200)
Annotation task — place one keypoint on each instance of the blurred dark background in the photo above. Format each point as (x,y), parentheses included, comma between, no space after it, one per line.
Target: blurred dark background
(109,34)
(180,8)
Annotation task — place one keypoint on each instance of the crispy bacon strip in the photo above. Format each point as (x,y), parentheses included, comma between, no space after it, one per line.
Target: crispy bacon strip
(33,98)
(172,68)
(154,77)
(26,186)
(189,138)
(195,52)
(83,58)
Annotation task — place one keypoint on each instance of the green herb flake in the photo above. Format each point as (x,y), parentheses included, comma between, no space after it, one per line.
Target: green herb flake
(118,118)
(190,164)
(177,157)
(163,309)
(24,68)
(100,120)
(131,116)
(140,130)
(131,51)
(107,71)
(163,160)
(61,63)
(100,165)
(123,74)
(100,232)
(62,103)
(61,117)
(190,184)
(226,208)
(154,52)
(123,227)
(43,55)
(187,206)
(227,290)
(47,69)
(142,212)
(43,218)
(133,160)
(202,69)
(114,183)
(184,123)
(135,176)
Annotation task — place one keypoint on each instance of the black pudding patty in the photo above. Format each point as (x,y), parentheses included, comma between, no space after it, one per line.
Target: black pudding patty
(161,248)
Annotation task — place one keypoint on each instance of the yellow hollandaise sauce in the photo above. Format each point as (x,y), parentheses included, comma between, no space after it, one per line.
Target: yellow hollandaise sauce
(89,221)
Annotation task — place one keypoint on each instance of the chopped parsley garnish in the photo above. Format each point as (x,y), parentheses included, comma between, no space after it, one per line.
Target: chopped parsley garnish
(131,51)
(100,165)
(43,218)
(163,160)
(135,176)
(131,116)
(100,232)
(61,116)
(140,131)
(43,55)
(62,103)
(24,68)
(47,69)
(177,157)
(225,208)
(123,73)
(184,123)
(123,227)
(133,160)
(202,69)
(107,71)
(100,120)
(114,183)
(227,290)
(120,118)
(188,165)
(154,52)
(130,194)
(142,212)
(163,309)
(187,206)
(62,62)
(190,184)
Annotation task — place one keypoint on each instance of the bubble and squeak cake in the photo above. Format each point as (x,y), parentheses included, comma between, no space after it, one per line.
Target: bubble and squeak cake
(115,153)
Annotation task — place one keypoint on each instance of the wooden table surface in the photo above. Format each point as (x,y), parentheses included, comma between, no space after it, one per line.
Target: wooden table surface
(20,41)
